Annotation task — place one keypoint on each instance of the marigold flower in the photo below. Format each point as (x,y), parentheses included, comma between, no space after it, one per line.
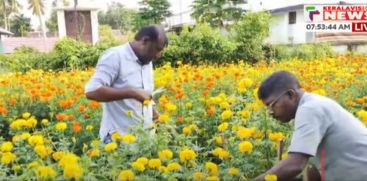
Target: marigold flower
(45,172)
(245,147)
(7,146)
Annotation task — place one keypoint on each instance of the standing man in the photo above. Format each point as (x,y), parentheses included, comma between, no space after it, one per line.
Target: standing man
(123,80)
(322,129)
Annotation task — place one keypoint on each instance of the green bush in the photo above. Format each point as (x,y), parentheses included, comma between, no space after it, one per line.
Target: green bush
(249,34)
(203,43)
(302,51)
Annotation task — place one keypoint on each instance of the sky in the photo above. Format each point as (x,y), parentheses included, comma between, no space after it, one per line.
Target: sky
(176,5)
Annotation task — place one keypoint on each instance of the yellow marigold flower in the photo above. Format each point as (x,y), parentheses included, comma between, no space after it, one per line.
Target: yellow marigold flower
(243,85)
(94,152)
(42,151)
(61,126)
(26,115)
(233,171)
(110,147)
(147,102)
(222,127)
(16,138)
(212,178)
(44,121)
(68,159)
(224,105)
(89,128)
(271,177)
(174,166)
(186,130)
(198,175)
(138,166)
(16,167)
(7,146)
(73,171)
(227,114)
(245,147)
(362,114)
(129,113)
(221,153)
(58,155)
(171,107)
(212,168)
(45,172)
(320,92)
(128,139)
(163,118)
(116,136)
(284,155)
(33,164)
(154,163)
(163,169)
(187,155)
(36,140)
(25,135)
(219,140)
(165,154)
(143,160)
(188,105)
(245,132)
(8,157)
(276,137)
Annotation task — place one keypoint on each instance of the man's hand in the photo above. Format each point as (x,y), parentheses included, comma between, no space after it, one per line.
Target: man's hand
(288,168)
(142,95)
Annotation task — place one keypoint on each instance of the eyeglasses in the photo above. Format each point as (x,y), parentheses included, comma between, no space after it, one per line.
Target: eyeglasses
(273,102)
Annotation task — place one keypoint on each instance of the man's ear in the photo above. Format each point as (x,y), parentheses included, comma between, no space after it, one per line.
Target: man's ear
(145,40)
(292,94)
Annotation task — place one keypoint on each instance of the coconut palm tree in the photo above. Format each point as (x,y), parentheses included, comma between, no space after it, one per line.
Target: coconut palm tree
(8,7)
(38,9)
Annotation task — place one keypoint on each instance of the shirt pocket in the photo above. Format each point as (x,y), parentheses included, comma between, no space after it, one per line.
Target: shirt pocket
(132,79)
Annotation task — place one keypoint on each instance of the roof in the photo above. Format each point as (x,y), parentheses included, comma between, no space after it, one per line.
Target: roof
(37,43)
(5,32)
(287,8)
(300,6)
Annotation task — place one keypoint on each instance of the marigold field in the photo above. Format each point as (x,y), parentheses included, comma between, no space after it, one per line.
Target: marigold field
(212,126)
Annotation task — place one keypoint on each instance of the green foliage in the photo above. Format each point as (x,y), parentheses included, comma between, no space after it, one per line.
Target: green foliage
(51,23)
(201,44)
(303,51)
(249,34)
(216,12)
(118,17)
(153,12)
(20,25)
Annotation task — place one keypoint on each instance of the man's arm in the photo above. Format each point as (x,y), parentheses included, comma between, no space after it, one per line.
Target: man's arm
(288,168)
(106,94)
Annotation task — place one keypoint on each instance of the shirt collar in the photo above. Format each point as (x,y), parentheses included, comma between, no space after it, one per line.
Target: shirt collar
(132,54)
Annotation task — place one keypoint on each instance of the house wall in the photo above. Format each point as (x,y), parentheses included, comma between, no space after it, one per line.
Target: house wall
(281,32)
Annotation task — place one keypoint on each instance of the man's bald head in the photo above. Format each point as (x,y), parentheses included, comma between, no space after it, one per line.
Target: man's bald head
(276,83)
(153,32)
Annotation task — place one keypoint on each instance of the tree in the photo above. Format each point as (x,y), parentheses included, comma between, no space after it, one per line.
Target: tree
(152,12)
(38,9)
(249,34)
(8,7)
(52,22)
(118,17)
(20,25)
(217,12)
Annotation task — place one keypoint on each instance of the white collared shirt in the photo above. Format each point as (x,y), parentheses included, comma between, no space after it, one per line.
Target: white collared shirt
(118,67)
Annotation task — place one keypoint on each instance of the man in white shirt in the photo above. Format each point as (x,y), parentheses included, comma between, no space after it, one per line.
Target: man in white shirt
(323,130)
(123,80)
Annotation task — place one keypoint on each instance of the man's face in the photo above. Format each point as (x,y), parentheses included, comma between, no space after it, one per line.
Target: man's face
(281,106)
(152,50)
